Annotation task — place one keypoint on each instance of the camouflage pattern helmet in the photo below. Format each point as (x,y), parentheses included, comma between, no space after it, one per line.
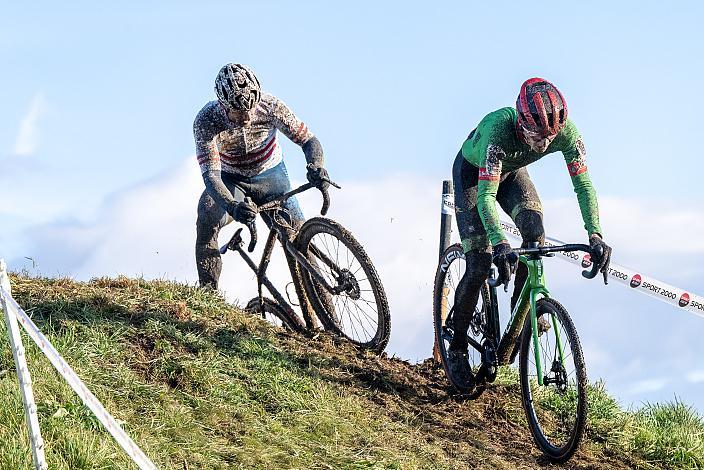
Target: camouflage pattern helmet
(237,87)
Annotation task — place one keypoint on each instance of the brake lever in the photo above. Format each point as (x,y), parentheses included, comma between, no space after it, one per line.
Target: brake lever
(591,273)
(332,183)
(326,202)
(253,236)
(326,196)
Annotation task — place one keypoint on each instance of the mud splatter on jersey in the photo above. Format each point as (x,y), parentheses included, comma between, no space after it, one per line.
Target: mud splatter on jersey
(222,145)
(494,147)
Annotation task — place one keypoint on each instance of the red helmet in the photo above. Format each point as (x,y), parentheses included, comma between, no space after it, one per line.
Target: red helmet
(541,107)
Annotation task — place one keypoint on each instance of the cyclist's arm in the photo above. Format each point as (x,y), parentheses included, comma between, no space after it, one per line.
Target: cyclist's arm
(487,187)
(204,132)
(575,157)
(297,131)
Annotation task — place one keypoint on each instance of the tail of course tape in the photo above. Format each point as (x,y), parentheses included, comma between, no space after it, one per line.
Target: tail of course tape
(86,396)
(635,280)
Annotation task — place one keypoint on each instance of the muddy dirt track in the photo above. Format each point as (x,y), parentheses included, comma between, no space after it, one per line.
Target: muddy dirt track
(490,432)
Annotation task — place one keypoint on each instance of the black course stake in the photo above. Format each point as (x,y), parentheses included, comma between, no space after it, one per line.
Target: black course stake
(446,211)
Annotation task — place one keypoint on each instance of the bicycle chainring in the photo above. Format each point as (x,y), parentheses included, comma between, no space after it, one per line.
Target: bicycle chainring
(478,323)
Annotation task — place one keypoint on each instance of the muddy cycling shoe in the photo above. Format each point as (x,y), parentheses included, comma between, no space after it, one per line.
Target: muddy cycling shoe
(461,375)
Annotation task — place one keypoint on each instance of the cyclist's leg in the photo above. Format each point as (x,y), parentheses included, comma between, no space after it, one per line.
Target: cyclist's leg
(519,198)
(476,247)
(211,218)
(271,184)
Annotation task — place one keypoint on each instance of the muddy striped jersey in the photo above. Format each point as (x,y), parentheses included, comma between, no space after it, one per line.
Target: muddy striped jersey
(494,147)
(222,145)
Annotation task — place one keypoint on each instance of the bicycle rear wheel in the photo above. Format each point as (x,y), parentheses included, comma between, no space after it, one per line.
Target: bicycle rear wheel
(358,310)
(556,410)
(274,313)
(450,270)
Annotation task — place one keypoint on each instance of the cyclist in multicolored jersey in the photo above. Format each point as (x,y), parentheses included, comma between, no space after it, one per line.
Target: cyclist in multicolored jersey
(491,168)
(241,160)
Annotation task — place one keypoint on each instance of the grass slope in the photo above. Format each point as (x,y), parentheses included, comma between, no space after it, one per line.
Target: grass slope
(200,384)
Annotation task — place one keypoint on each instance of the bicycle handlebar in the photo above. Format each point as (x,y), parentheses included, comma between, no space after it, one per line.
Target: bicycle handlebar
(277,203)
(546,250)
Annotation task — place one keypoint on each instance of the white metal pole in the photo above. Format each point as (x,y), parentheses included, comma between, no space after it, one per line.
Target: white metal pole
(30,408)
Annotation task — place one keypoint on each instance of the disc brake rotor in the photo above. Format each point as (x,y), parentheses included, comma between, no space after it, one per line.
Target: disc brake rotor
(347,283)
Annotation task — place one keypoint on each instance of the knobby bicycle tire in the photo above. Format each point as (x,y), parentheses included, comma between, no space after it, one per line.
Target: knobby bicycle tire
(453,254)
(551,402)
(330,308)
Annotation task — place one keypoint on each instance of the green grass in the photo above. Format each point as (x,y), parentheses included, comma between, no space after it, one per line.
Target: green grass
(195,381)
(199,384)
(667,435)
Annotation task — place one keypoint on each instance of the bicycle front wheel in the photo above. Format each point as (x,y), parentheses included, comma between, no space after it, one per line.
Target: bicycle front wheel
(448,275)
(357,309)
(557,408)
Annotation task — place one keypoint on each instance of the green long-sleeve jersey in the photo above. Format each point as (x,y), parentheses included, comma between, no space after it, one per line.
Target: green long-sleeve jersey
(495,148)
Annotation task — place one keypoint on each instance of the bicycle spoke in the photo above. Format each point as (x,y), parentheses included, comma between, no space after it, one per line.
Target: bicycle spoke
(371,318)
(370,305)
(369,336)
(350,319)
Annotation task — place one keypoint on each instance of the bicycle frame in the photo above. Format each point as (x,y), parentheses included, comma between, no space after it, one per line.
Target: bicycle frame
(236,244)
(526,306)
(278,230)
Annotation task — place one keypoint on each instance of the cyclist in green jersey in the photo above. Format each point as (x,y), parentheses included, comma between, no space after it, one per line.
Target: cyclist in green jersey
(491,168)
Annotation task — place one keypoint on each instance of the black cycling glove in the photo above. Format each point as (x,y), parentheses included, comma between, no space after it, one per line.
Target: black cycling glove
(506,261)
(317,176)
(244,212)
(602,253)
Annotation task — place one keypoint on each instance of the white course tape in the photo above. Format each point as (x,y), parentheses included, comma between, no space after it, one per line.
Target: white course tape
(78,386)
(628,277)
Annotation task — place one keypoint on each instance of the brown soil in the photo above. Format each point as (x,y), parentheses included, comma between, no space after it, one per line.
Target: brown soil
(489,432)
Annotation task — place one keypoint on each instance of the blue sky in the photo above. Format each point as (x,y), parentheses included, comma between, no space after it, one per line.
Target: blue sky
(96,147)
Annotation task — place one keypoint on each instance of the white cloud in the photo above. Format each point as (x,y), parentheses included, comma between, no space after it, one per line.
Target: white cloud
(635,226)
(28,136)
(647,386)
(696,376)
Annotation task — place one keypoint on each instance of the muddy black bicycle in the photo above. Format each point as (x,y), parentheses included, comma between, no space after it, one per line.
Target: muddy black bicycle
(551,365)
(331,272)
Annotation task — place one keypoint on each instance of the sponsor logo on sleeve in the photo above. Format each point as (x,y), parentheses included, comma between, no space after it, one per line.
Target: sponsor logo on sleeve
(636,280)
(586,261)
(492,168)
(684,300)
(485,175)
(579,164)
(577,167)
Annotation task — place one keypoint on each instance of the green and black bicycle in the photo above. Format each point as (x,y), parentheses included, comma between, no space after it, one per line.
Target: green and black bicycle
(553,376)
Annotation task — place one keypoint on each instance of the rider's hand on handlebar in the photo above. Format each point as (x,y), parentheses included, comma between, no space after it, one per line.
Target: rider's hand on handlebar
(318,176)
(244,212)
(602,254)
(506,261)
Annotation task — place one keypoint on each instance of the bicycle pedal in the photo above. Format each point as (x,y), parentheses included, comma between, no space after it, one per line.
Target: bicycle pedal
(489,357)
